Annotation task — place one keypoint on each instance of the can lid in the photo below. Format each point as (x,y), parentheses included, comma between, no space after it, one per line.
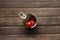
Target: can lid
(27,18)
(22,15)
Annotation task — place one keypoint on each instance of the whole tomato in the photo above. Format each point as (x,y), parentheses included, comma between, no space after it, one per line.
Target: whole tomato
(29,24)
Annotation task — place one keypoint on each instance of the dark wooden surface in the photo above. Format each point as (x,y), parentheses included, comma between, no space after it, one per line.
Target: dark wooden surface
(47,13)
(21,30)
(29,3)
(38,12)
(36,37)
(41,21)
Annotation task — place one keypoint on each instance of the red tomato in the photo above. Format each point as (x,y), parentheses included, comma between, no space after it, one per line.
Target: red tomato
(29,23)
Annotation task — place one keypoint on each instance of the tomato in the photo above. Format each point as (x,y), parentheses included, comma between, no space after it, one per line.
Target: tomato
(29,24)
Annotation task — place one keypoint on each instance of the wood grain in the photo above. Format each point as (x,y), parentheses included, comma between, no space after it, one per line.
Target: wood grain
(27,0)
(21,30)
(49,37)
(39,4)
(40,21)
(39,12)
(47,13)
(37,37)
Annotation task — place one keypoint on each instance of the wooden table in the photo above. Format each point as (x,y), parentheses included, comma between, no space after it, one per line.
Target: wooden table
(47,13)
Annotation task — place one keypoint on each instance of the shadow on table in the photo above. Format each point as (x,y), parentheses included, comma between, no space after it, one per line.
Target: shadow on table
(31,32)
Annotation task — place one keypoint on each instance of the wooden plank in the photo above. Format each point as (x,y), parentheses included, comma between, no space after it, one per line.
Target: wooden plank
(27,0)
(10,21)
(21,30)
(37,37)
(40,21)
(49,37)
(30,4)
(41,12)
(49,29)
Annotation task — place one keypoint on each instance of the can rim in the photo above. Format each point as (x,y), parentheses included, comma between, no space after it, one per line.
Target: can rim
(34,24)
